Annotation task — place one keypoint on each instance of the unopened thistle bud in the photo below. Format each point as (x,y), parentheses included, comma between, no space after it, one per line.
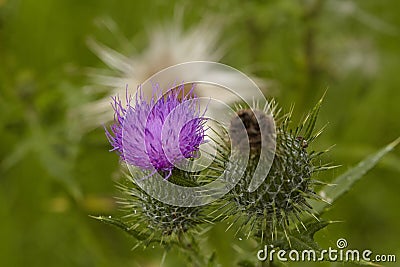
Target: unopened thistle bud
(281,197)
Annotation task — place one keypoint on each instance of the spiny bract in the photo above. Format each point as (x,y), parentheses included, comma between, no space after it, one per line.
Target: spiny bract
(154,220)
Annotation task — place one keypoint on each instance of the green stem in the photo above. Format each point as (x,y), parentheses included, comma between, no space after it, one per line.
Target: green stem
(312,67)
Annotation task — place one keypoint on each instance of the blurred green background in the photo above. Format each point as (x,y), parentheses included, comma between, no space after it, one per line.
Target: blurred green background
(52,177)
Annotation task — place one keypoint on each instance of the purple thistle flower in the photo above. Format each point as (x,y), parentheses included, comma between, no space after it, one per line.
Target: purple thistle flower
(157,134)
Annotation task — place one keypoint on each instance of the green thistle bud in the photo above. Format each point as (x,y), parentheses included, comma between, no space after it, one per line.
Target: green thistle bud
(150,220)
(282,196)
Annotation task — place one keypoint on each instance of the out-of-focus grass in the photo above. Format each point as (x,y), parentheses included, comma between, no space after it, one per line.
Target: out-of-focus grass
(51,178)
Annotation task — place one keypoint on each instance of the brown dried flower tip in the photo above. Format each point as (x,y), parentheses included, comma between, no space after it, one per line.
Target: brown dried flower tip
(255,123)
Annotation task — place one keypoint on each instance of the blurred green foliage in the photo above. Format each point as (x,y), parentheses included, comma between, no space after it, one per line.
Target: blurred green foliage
(52,178)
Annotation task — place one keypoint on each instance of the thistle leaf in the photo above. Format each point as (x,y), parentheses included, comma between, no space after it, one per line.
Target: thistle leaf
(344,182)
(303,240)
(123,226)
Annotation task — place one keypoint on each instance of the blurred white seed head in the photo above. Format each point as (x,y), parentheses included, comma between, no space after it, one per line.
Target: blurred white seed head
(168,44)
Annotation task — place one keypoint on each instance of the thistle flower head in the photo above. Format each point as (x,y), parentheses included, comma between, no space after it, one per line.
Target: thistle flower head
(159,133)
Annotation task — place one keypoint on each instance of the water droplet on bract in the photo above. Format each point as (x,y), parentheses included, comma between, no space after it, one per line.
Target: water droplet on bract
(109,217)
(152,247)
(240,239)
